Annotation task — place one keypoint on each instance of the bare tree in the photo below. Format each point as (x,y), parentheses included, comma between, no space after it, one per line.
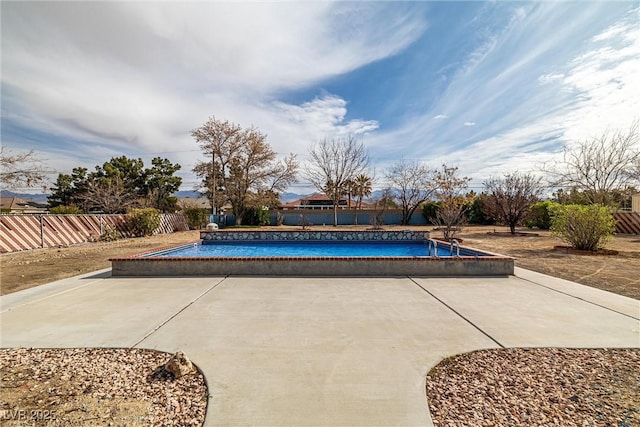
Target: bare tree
(510,198)
(334,164)
(241,168)
(411,184)
(599,166)
(382,204)
(20,169)
(449,188)
(108,194)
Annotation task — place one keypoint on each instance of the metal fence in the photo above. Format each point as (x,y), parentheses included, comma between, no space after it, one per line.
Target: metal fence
(626,222)
(25,232)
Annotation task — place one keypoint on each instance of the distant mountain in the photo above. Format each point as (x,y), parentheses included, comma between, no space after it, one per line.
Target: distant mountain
(375,195)
(186,193)
(290,197)
(284,197)
(37,198)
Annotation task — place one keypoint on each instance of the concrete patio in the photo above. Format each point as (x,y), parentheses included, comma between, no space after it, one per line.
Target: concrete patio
(318,351)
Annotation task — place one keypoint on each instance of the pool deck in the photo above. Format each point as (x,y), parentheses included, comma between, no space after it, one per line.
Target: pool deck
(317,351)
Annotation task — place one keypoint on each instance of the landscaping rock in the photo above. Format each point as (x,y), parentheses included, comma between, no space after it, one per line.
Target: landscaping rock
(179,365)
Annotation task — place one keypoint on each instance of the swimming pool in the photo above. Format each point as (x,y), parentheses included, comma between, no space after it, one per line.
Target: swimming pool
(335,253)
(302,248)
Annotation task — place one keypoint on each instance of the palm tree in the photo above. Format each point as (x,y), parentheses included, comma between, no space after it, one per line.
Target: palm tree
(362,188)
(349,191)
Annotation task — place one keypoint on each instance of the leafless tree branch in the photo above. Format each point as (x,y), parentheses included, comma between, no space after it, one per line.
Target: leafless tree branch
(600,166)
(510,198)
(411,184)
(334,163)
(20,169)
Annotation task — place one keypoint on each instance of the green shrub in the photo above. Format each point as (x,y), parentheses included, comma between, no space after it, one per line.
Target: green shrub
(109,234)
(256,216)
(539,216)
(65,210)
(197,218)
(583,227)
(143,222)
(476,212)
(429,211)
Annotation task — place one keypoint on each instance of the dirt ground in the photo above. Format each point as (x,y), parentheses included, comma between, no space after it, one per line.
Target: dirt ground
(619,274)
(22,270)
(615,273)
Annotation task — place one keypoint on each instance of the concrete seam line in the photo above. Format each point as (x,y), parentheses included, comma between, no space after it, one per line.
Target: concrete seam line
(456,312)
(178,312)
(576,297)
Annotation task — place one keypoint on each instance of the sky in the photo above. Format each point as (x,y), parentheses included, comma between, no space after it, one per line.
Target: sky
(491,87)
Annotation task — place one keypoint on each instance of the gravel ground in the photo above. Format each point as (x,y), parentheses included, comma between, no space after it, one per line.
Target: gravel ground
(97,387)
(128,387)
(541,387)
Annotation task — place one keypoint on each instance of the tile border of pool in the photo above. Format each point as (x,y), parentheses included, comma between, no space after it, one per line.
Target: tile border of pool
(141,265)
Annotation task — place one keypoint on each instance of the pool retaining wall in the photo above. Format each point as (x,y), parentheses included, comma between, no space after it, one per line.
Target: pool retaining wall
(471,263)
(315,267)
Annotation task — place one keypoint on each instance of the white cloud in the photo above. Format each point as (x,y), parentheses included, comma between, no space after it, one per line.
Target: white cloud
(534,86)
(135,78)
(324,117)
(550,78)
(606,83)
(611,32)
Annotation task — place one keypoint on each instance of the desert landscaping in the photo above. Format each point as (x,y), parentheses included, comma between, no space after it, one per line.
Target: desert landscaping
(488,387)
(533,249)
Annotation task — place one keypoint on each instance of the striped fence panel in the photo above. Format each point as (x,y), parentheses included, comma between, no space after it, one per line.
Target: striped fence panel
(117,222)
(25,232)
(173,222)
(627,222)
(19,235)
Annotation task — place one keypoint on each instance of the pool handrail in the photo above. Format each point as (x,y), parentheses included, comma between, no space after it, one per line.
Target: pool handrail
(432,243)
(454,244)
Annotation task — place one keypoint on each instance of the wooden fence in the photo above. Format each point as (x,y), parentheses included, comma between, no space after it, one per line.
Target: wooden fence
(627,222)
(25,232)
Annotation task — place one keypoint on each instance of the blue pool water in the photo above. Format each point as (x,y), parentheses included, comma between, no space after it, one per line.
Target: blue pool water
(308,249)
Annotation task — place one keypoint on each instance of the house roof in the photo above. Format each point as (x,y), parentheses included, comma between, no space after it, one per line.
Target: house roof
(317,196)
(320,197)
(304,200)
(18,204)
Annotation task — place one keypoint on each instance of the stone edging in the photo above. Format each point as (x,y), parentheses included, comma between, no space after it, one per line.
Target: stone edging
(368,235)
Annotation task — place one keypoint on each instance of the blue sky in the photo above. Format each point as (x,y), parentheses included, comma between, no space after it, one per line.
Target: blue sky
(491,87)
